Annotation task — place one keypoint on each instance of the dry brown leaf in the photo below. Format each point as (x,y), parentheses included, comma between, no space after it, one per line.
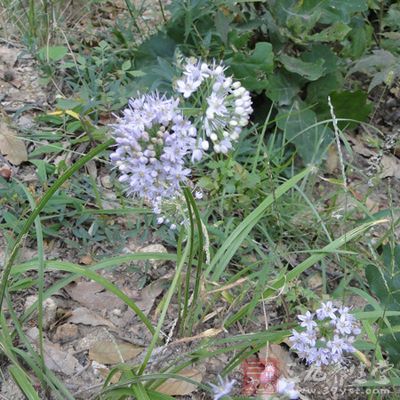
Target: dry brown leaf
(359,147)
(8,56)
(92,295)
(175,387)
(108,352)
(82,315)
(332,161)
(372,205)
(102,370)
(11,146)
(66,333)
(59,360)
(207,333)
(149,294)
(390,167)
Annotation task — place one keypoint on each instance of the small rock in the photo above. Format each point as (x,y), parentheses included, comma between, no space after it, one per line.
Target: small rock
(106,181)
(8,76)
(5,172)
(155,248)
(66,333)
(86,260)
(49,313)
(26,122)
(33,334)
(29,301)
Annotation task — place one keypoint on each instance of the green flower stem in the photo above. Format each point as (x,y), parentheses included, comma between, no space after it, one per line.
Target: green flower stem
(42,203)
(181,262)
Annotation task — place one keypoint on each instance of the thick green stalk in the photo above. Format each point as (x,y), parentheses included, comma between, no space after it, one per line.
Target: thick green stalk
(47,196)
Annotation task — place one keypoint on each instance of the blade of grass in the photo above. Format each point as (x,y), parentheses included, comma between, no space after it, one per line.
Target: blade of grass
(181,263)
(42,203)
(22,380)
(39,240)
(289,276)
(233,242)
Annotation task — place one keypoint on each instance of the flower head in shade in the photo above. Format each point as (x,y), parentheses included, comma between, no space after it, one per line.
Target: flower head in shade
(328,335)
(287,388)
(223,389)
(153,139)
(225,104)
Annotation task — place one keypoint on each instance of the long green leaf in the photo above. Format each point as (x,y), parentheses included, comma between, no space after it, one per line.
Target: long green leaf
(22,380)
(236,238)
(316,257)
(87,273)
(42,203)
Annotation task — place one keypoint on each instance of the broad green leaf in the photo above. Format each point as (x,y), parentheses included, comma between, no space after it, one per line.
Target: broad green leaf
(251,69)
(53,53)
(222,25)
(299,127)
(283,87)
(341,10)
(322,52)
(360,38)
(336,32)
(308,70)
(319,90)
(382,65)
(351,105)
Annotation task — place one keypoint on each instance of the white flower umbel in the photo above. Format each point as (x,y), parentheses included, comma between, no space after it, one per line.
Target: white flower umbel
(223,389)
(287,388)
(153,139)
(225,105)
(328,335)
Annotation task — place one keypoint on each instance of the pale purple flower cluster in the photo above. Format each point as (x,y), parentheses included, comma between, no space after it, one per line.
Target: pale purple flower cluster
(223,389)
(328,334)
(226,103)
(153,139)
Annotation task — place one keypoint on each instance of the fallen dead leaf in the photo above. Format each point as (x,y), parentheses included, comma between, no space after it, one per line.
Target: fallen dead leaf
(8,56)
(92,169)
(359,147)
(82,315)
(92,296)
(175,387)
(315,281)
(102,370)
(372,205)
(149,294)
(108,352)
(390,167)
(66,333)
(59,360)
(332,161)
(207,333)
(11,146)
